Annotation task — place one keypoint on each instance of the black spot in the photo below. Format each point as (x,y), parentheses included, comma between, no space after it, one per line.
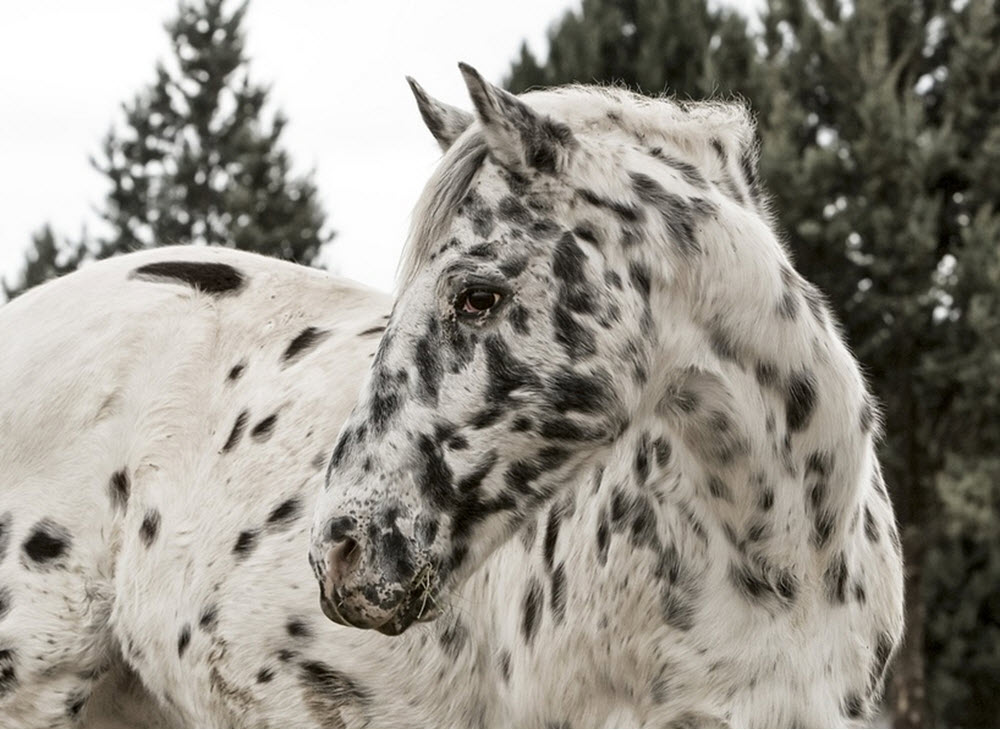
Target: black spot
(506,373)
(835,579)
(677,213)
(587,233)
(603,537)
(800,400)
(871,529)
(264,676)
(330,691)
(766,373)
(150,527)
(263,430)
(209,617)
(625,211)
(434,476)
(429,368)
(521,424)
(662,450)
(453,638)
(285,513)
(211,278)
(558,596)
(183,640)
(519,316)
(75,702)
(687,171)
(641,465)
(298,629)
(245,542)
(724,345)
(513,210)
(237,432)
(8,673)
(47,542)
(551,536)
(531,610)
(5,522)
(819,462)
(854,706)
(718,488)
(304,340)
(236,371)
(571,391)
(568,261)
(5,601)
(371,331)
(118,488)
(514,267)
(576,339)
(504,663)
(788,305)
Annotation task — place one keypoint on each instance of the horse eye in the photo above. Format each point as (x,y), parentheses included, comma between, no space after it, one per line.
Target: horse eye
(477,301)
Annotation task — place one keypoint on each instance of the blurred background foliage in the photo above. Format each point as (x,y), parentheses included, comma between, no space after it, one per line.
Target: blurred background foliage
(879,122)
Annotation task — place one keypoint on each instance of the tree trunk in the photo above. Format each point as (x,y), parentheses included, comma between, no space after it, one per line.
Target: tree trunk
(908,687)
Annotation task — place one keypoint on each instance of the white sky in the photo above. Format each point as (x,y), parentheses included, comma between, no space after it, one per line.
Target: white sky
(336,69)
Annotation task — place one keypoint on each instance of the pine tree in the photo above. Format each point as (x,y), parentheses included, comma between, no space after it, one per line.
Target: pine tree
(197,161)
(682,47)
(47,258)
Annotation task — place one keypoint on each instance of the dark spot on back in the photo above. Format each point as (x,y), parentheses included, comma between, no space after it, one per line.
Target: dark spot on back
(303,341)
(263,430)
(236,371)
(183,640)
(206,276)
(298,629)
(531,610)
(245,542)
(237,432)
(285,513)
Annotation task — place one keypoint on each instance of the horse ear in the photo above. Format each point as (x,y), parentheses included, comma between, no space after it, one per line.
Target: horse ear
(519,137)
(444,121)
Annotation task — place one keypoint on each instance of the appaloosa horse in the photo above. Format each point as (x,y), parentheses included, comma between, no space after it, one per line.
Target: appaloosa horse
(611,464)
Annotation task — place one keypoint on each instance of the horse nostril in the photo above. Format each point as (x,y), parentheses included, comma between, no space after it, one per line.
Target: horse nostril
(343,558)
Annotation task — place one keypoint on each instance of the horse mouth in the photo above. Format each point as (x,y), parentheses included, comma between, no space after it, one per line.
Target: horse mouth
(418,605)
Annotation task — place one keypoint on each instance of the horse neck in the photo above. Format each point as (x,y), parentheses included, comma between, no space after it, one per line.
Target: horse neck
(754,389)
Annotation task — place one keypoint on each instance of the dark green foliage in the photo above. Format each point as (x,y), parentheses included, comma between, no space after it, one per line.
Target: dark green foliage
(46,259)
(880,124)
(197,162)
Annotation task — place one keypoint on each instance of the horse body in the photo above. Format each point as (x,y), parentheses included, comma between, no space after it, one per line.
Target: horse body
(709,542)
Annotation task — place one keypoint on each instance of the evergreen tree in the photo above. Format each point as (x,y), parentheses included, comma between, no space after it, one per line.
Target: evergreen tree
(880,122)
(197,162)
(682,47)
(46,259)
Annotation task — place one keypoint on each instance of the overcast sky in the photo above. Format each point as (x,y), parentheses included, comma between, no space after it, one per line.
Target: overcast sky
(336,69)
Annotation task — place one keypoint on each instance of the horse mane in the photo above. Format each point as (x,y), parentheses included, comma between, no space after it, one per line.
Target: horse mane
(693,127)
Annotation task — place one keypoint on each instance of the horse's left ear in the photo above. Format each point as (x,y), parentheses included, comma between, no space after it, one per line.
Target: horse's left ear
(444,121)
(518,136)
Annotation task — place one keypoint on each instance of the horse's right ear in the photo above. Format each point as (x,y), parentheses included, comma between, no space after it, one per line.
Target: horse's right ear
(444,121)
